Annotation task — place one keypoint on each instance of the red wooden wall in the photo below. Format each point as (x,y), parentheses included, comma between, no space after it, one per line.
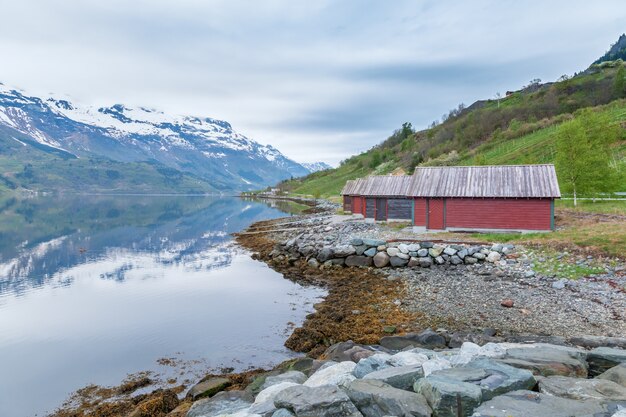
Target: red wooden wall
(498,213)
(436,214)
(419,212)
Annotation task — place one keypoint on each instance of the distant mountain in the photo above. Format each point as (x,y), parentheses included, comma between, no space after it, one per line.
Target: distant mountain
(315,166)
(204,148)
(617,51)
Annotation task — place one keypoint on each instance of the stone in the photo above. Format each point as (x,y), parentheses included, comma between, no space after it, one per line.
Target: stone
(547,360)
(470,260)
(435,364)
(413,262)
(582,389)
(439,260)
(402,377)
(462,253)
(396,261)
(496,247)
(404,256)
(403,247)
(603,358)
(338,261)
(325,254)
(414,247)
(425,262)
(434,252)
(616,374)
(356,242)
(370,252)
(225,402)
(374,242)
(283,412)
(393,252)
(480,256)
(422,252)
(455,260)
(264,401)
(441,395)
(338,374)
(360,250)
(426,244)
(560,284)
(389,329)
(207,388)
(373,363)
(289,376)
(591,342)
(449,251)
(407,358)
(532,404)
(500,378)
(313,263)
(381,259)
(427,339)
(355,260)
(375,398)
(508,303)
(322,401)
(343,251)
(493,257)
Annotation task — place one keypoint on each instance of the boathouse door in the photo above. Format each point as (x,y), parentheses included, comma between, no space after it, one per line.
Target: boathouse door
(436,213)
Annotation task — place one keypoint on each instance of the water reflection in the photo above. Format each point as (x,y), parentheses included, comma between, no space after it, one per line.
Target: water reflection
(93,288)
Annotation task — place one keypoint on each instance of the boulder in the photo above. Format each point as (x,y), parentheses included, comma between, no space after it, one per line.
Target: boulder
(337,374)
(413,262)
(374,242)
(289,376)
(357,242)
(313,263)
(396,261)
(493,257)
(407,358)
(547,360)
(355,260)
(443,396)
(323,401)
(283,412)
(343,251)
(381,259)
(435,364)
(591,342)
(427,245)
(422,252)
(414,247)
(207,388)
(264,401)
(325,254)
(393,251)
(470,260)
(403,247)
(480,256)
(582,389)
(500,378)
(439,260)
(360,250)
(532,404)
(402,377)
(370,252)
(462,253)
(425,262)
(226,402)
(616,374)
(604,358)
(434,252)
(450,251)
(427,339)
(455,260)
(373,363)
(377,399)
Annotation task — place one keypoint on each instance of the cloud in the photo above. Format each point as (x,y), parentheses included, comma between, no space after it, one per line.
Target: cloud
(318,80)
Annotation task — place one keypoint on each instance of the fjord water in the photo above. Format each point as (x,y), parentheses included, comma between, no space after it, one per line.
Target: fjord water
(95,287)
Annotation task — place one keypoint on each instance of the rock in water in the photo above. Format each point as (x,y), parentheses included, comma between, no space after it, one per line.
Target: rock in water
(375,399)
(208,388)
(323,401)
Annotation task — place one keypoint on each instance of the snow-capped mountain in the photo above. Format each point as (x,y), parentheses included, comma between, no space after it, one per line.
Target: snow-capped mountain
(316,166)
(207,148)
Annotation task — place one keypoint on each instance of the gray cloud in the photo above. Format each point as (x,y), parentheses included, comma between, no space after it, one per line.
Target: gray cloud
(318,80)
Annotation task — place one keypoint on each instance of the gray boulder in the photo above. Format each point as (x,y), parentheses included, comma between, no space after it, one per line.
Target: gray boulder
(616,374)
(401,377)
(381,259)
(591,342)
(500,378)
(604,358)
(493,257)
(356,242)
(373,363)
(226,402)
(393,252)
(413,262)
(323,401)
(396,261)
(208,388)
(374,242)
(376,399)
(370,252)
(426,339)
(344,250)
(325,254)
(290,376)
(426,245)
(443,395)
(470,260)
(360,250)
(533,404)
(422,252)
(462,253)
(425,262)
(480,256)
(355,260)
(582,389)
(547,360)
(449,251)
(455,260)
(283,412)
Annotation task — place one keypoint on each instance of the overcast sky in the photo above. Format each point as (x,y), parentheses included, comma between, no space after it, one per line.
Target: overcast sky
(320,80)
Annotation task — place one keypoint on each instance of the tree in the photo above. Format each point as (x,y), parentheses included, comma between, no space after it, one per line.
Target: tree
(619,85)
(583,149)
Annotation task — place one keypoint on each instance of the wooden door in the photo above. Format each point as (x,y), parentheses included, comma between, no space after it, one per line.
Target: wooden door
(436,213)
(381,209)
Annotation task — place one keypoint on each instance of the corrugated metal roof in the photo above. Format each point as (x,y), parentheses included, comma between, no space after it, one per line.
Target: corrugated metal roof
(348,189)
(513,181)
(385,185)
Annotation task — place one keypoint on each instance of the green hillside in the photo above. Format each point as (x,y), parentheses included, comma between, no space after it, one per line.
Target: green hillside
(51,169)
(517,129)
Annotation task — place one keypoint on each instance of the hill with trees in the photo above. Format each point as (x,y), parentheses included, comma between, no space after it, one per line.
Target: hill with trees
(527,126)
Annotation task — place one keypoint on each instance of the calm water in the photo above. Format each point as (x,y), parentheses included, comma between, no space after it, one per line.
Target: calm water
(94,288)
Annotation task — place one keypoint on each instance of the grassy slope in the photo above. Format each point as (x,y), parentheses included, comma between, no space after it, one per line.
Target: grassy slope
(486,133)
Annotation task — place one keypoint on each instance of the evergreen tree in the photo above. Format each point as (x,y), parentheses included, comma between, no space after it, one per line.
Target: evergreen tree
(583,157)
(619,85)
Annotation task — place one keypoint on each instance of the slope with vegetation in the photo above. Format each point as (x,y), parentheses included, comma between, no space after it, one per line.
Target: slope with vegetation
(521,128)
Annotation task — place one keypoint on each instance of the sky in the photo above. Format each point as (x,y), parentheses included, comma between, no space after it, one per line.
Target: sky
(320,80)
